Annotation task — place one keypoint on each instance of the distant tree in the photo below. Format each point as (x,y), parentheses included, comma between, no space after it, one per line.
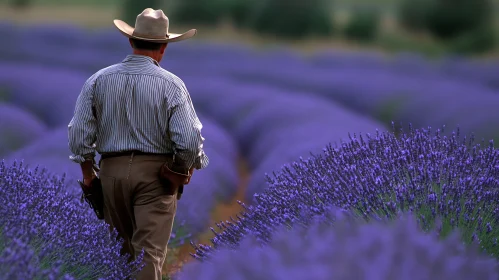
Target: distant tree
(20,4)
(363,24)
(466,26)
(451,19)
(446,19)
(208,12)
(293,19)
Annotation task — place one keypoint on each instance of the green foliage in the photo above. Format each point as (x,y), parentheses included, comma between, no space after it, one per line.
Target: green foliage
(394,42)
(4,94)
(389,109)
(182,234)
(292,19)
(477,41)
(446,19)
(362,25)
(201,11)
(413,15)
(451,19)
(132,8)
(21,4)
(464,26)
(241,12)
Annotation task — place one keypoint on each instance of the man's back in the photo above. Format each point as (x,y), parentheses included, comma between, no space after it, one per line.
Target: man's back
(138,105)
(132,101)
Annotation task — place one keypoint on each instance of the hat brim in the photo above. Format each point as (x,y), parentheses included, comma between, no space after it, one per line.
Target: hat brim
(127,30)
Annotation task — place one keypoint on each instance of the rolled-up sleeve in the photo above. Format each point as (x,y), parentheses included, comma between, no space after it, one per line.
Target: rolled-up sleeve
(83,126)
(185,131)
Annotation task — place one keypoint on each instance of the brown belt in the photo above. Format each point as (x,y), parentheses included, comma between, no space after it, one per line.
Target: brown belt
(129,153)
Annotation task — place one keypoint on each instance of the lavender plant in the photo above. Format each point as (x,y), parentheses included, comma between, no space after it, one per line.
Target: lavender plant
(47,234)
(425,173)
(18,128)
(343,247)
(39,90)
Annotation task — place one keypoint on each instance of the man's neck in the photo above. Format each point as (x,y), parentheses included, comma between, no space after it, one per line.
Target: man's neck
(150,54)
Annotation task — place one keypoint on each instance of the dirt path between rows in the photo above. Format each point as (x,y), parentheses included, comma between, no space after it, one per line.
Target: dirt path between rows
(222,212)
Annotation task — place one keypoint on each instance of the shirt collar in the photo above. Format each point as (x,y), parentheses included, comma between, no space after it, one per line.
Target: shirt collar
(140,58)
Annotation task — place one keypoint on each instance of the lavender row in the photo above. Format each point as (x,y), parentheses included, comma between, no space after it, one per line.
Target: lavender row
(47,234)
(248,65)
(39,89)
(382,93)
(18,128)
(260,118)
(440,178)
(273,126)
(213,185)
(70,47)
(452,67)
(342,246)
(391,96)
(79,49)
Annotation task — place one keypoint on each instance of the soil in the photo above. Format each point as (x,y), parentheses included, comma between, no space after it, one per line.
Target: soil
(222,212)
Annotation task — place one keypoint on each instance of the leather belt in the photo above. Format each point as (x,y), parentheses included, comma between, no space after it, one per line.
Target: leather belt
(129,153)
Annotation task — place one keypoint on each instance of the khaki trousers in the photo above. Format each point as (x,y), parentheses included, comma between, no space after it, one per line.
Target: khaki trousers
(139,207)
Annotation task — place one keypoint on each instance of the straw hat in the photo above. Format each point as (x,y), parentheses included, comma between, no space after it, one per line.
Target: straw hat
(152,26)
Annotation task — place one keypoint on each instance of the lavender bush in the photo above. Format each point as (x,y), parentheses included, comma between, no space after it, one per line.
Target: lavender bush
(40,89)
(450,67)
(343,247)
(18,128)
(479,71)
(425,173)
(261,118)
(392,94)
(301,139)
(391,89)
(51,151)
(48,234)
(212,185)
(91,50)
(218,138)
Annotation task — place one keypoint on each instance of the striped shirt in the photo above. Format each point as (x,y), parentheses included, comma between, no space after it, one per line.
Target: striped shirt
(136,105)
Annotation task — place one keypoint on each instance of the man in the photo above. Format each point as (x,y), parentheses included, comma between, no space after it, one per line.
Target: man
(136,115)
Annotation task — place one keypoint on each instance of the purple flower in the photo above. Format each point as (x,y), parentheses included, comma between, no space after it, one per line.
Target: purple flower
(46,232)
(436,177)
(49,151)
(18,128)
(40,88)
(344,247)
(262,118)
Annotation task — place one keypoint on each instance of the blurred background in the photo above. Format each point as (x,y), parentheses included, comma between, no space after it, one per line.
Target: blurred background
(271,80)
(433,27)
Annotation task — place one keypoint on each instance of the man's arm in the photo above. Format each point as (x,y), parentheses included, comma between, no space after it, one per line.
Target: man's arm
(82,131)
(185,132)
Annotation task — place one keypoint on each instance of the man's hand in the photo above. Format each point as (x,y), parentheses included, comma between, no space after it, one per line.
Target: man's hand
(188,180)
(88,172)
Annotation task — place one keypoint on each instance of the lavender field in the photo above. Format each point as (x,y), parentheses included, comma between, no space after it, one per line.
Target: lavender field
(266,109)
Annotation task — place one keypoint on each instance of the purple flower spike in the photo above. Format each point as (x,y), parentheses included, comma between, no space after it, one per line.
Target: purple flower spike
(436,177)
(46,233)
(347,248)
